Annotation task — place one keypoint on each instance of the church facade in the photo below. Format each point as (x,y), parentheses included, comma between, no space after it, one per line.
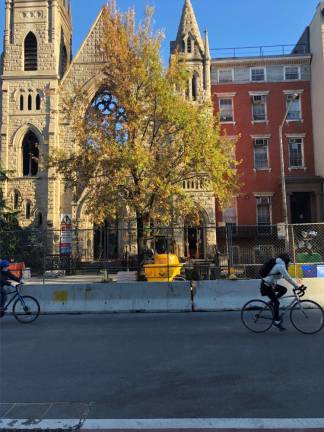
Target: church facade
(37,73)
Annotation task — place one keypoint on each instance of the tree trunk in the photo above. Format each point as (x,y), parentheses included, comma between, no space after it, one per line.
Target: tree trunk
(140,237)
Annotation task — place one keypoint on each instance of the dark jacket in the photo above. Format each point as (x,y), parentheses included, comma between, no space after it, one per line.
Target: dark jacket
(6,277)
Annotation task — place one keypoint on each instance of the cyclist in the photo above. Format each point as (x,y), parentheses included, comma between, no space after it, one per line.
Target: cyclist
(5,279)
(271,288)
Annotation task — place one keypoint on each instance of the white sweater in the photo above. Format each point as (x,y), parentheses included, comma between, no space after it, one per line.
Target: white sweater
(278,272)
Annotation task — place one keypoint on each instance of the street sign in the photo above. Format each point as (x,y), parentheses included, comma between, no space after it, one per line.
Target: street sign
(281,231)
(66,234)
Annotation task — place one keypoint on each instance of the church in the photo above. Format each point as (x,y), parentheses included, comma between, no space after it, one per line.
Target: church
(37,72)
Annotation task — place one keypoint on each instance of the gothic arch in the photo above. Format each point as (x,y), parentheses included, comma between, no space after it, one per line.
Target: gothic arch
(93,86)
(195,234)
(30,52)
(195,85)
(28,208)
(18,142)
(15,198)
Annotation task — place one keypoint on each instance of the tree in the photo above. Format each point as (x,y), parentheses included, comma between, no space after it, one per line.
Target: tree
(8,223)
(8,217)
(20,244)
(139,139)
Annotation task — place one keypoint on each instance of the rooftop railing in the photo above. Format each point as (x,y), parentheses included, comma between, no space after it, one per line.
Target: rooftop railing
(260,51)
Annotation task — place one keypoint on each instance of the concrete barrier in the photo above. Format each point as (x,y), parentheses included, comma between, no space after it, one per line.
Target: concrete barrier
(232,295)
(112,297)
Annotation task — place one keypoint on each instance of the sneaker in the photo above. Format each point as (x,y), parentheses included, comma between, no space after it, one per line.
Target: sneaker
(279,325)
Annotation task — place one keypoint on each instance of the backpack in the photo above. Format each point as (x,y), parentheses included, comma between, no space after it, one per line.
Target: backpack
(267,267)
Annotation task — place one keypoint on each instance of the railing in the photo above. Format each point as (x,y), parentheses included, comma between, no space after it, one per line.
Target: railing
(260,51)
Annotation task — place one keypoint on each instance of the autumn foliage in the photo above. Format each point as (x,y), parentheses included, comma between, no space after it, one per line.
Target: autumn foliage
(139,139)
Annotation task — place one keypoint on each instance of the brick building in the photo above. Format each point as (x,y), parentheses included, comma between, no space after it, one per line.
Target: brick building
(251,95)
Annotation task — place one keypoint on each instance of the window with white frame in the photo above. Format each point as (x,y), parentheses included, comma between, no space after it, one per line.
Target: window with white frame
(292,73)
(259,107)
(226,109)
(263,210)
(257,74)
(225,75)
(293,103)
(261,157)
(296,153)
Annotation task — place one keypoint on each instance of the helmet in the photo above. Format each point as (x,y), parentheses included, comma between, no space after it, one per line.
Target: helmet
(4,263)
(286,258)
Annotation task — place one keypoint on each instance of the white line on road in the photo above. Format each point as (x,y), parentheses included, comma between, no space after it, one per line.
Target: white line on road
(166,424)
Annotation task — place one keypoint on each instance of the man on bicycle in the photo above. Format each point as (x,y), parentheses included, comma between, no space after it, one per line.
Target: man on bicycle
(271,288)
(6,277)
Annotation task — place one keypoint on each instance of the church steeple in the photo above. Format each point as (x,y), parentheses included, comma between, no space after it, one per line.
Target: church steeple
(196,53)
(189,26)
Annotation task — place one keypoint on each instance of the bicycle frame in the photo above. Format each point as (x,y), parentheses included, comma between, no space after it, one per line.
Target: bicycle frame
(17,295)
(284,308)
(296,299)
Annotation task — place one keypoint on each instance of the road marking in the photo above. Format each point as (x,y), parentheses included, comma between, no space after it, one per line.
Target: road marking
(183,425)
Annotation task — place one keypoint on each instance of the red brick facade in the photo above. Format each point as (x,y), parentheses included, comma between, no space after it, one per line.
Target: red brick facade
(268,181)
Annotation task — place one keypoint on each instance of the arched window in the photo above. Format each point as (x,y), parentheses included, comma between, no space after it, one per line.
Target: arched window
(105,113)
(183,46)
(16,200)
(194,85)
(38,102)
(189,45)
(30,102)
(21,102)
(28,210)
(64,60)
(30,52)
(30,154)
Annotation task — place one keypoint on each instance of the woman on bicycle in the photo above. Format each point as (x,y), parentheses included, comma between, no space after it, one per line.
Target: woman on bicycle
(271,288)
(6,277)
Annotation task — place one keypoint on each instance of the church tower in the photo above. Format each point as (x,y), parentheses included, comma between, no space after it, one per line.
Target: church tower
(37,52)
(196,51)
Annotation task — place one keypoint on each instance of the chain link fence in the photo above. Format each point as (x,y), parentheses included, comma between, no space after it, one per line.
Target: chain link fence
(243,249)
(170,253)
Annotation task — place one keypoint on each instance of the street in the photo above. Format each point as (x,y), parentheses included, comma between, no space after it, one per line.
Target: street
(131,366)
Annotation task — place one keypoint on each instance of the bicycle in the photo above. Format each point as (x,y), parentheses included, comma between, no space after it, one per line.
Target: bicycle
(25,309)
(306,316)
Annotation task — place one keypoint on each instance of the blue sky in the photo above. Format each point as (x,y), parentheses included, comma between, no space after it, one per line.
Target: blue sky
(231,23)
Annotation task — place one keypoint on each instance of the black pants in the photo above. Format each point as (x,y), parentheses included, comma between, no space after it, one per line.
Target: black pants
(3,297)
(274,293)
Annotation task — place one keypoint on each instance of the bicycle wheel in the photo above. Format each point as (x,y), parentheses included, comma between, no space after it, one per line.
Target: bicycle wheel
(26,309)
(257,316)
(307,317)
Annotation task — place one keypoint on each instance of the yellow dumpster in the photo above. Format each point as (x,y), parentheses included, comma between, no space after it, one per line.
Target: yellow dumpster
(164,269)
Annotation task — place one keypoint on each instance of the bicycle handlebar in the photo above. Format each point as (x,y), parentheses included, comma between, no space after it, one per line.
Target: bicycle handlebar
(300,291)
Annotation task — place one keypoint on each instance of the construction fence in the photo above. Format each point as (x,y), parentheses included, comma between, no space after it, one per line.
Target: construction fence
(170,253)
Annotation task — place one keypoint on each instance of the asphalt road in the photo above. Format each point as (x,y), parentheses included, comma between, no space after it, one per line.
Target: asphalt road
(194,365)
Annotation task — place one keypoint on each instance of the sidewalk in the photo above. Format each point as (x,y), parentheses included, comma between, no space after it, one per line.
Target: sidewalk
(159,425)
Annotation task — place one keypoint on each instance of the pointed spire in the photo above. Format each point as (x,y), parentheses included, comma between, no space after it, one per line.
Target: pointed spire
(207,50)
(188,24)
